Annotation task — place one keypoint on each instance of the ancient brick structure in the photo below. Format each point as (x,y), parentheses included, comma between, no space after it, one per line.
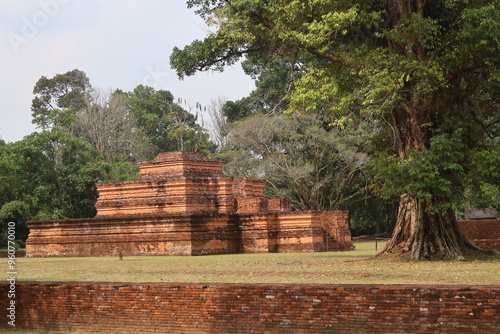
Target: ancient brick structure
(89,307)
(483,233)
(182,204)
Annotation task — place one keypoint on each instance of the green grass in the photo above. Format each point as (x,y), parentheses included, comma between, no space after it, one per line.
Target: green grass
(354,267)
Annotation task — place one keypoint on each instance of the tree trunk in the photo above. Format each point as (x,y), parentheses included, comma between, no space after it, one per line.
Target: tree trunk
(417,231)
(425,235)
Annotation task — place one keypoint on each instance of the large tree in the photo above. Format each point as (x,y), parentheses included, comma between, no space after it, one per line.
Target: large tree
(106,122)
(169,126)
(57,99)
(427,68)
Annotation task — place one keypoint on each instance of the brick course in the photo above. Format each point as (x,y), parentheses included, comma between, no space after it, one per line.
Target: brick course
(68,307)
(483,233)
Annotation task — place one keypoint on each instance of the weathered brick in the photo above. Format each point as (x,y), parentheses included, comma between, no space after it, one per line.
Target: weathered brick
(233,308)
(483,233)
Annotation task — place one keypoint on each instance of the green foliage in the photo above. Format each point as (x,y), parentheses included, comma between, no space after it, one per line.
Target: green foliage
(57,99)
(447,171)
(122,126)
(370,216)
(107,124)
(167,124)
(484,191)
(48,175)
(426,73)
(317,169)
(378,57)
(14,211)
(273,80)
(193,57)
(124,171)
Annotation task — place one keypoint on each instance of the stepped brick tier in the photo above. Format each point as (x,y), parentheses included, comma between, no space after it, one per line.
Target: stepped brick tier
(182,204)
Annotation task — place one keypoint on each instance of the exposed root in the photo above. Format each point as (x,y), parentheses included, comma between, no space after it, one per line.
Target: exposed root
(421,235)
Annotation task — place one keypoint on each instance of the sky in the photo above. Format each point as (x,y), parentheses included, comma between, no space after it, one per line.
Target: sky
(117,43)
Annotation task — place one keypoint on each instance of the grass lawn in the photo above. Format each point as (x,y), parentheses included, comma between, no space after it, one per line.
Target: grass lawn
(353,267)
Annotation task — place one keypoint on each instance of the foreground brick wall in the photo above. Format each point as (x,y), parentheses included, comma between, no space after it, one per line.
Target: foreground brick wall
(253,308)
(483,233)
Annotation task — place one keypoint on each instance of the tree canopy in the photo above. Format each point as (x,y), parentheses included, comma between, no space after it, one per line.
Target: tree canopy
(58,98)
(168,125)
(48,175)
(317,169)
(428,70)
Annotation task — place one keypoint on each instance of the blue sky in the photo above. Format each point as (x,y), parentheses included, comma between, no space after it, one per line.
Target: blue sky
(117,43)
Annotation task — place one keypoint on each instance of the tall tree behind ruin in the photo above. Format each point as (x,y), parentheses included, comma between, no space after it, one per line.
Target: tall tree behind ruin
(218,121)
(105,121)
(57,99)
(317,169)
(167,124)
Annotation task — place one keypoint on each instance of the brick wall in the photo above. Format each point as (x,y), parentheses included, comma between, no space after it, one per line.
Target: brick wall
(134,235)
(187,234)
(483,233)
(253,308)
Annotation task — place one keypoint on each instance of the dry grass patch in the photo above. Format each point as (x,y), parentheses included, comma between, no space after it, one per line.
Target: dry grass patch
(354,267)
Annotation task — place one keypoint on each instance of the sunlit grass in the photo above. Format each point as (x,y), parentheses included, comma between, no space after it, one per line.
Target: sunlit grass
(353,267)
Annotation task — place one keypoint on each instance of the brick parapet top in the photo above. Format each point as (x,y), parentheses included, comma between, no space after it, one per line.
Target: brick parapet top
(178,156)
(179,164)
(181,155)
(371,287)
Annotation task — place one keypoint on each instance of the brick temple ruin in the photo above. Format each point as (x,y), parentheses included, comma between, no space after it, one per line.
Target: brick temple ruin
(182,204)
